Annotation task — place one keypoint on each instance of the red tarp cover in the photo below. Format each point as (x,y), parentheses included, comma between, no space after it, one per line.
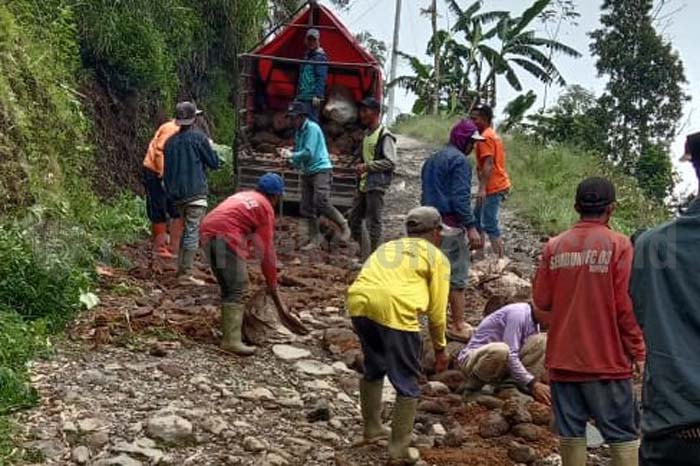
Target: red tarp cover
(280,79)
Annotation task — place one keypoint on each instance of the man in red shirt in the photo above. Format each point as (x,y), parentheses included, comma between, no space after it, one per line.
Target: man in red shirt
(594,340)
(227,232)
(494,183)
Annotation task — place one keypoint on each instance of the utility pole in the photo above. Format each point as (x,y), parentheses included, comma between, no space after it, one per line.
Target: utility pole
(394,62)
(436,94)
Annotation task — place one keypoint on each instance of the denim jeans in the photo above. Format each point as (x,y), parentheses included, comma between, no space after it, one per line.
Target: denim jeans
(456,249)
(487,214)
(192,215)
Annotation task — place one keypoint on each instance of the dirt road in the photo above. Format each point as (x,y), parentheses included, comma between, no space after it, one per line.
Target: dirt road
(139,380)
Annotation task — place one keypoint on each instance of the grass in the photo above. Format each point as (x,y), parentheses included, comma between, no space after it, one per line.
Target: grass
(545,179)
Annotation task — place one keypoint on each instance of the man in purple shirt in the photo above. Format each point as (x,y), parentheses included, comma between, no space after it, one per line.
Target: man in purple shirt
(508,343)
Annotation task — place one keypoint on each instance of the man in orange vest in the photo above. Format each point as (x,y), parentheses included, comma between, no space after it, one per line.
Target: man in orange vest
(158,207)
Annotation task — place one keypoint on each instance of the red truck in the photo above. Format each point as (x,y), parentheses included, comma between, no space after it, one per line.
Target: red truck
(269,76)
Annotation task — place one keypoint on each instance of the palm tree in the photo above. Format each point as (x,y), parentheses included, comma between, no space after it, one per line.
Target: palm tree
(421,82)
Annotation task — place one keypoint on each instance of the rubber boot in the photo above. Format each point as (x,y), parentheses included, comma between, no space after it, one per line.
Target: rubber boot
(625,454)
(184,271)
(232,330)
(159,232)
(314,231)
(401,430)
(177,226)
(573,451)
(371,401)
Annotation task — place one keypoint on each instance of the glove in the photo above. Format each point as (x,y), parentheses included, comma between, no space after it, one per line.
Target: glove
(285,153)
(316,102)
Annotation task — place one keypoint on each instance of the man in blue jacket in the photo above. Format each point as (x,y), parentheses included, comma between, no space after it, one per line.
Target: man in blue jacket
(447,181)
(188,156)
(312,76)
(310,155)
(665,290)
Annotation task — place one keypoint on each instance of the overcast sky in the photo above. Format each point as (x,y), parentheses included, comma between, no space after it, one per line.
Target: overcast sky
(377,16)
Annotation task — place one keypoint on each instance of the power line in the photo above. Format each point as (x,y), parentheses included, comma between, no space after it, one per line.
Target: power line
(366,12)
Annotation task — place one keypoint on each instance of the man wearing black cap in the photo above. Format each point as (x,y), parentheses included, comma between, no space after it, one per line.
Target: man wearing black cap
(594,340)
(188,156)
(665,289)
(312,76)
(378,153)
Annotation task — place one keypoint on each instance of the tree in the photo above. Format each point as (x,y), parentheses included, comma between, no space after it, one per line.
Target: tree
(516,109)
(378,48)
(644,95)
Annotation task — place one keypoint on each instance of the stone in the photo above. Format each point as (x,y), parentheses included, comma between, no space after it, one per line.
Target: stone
(321,411)
(295,402)
(489,402)
(529,432)
(215,425)
(290,353)
(551,460)
(253,445)
(171,370)
(96,377)
(339,340)
(432,407)
(121,460)
(69,427)
(80,455)
(340,367)
(200,380)
(455,437)
(143,447)
(49,449)
(344,398)
(91,425)
(273,459)
(258,394)
(508,284)
(436,388)
(522,454)
(541,414)
(452,378)
(315,368)
(516,412)
(319,385)
(170,429)
(97,440)
(424,442)
(354,359)
(494,425)
(438,430)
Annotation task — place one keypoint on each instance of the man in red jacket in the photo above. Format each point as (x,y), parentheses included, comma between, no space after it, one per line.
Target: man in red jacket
(594,340)
(227,232)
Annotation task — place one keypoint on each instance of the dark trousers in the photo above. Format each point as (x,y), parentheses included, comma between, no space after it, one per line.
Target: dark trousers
(158,207)
(610,403)
(316,197)
(231,271)
(392,353)
(368,206)
(669,451)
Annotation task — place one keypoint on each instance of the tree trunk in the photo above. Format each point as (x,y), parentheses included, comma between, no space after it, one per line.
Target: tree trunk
(435,104)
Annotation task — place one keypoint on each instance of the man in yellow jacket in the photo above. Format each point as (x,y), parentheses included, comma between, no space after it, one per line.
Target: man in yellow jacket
(399,281)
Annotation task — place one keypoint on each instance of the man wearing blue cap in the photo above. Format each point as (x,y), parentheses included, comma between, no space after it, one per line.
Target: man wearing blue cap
(244,219)
(312,76)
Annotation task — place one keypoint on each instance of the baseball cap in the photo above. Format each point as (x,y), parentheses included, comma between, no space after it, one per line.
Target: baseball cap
(271,183)
(297,108)
(371,103)
(692,148)
(595,192)
(423,219)
(186,113)
(313,32)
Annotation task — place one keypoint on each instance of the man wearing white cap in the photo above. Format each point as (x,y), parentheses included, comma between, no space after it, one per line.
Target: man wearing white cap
(312,76)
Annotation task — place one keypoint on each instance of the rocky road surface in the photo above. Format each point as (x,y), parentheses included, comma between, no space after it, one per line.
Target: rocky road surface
(139,379)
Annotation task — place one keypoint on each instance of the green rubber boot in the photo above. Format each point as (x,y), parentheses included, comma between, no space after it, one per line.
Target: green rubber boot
(371,401)
(231,327)
(625,454)
(401,430)
(314,234)
(573,451)
(185,268)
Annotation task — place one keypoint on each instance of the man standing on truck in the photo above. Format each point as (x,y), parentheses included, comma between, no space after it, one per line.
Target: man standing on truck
(594,340)
(666,296)
(188,156)
(447,181)
(311,156)
(401,280)
(158,206)
(494,183)
(378,153)
(312,76)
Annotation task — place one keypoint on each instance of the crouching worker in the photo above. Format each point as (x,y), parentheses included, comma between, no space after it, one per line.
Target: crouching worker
(227,232)
(400,280)
(508,344)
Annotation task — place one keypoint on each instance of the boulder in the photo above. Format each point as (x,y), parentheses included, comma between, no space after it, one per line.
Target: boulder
(529,432)
(432,407)
(258,394)
(489,402)
(290,353)
(339,340)
(522,453)
(541,414)
(452,378)
(80,455)
(435,388)
(253,444)
(516,412)
(312,367)
(494,425)
(455,437)
(169,429)
(508,284)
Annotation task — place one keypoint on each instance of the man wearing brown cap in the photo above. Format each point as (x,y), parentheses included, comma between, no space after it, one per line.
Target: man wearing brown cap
(594,344)
(665,289)
(401,280)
